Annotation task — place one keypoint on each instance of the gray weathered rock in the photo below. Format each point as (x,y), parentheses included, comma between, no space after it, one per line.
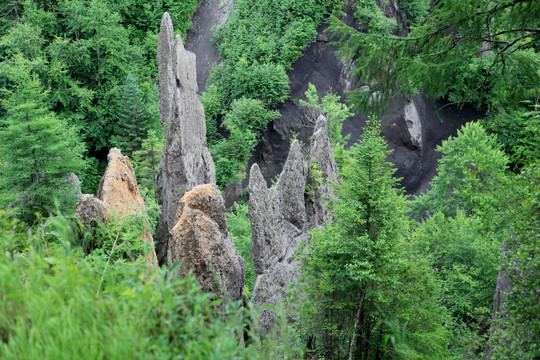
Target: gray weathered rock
(165,61)
(185,162)
(322,175)
(414,123)
(278,215)
(91,211)
(281,217)
(278,220)
(201,243)
(74,181)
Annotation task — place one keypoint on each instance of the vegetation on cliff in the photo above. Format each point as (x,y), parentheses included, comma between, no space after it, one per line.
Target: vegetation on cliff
(386,278)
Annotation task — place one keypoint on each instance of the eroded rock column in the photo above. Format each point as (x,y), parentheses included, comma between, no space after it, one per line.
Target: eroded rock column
(186,161)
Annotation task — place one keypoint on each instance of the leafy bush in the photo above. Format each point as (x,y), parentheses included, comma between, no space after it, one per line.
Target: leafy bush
(56,303)
(239,226)
(373,19)
(336,113)
(415,10)
(471,175)
(245,122)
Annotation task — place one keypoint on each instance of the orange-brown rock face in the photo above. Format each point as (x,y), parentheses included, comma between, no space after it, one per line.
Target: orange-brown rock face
(201,242)
(118,188)
(118,192)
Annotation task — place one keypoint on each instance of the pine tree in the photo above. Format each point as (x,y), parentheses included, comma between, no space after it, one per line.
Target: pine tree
(37,149)
(133,118)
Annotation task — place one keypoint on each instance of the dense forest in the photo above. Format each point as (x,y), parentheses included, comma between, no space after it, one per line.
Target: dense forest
(388,276)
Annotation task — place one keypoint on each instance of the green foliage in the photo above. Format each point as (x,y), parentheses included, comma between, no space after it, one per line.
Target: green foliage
(372,19)
(466,260)
(121,238)
(515,335)
(249,114)
(239,226)
(60,314)
(38,150)
(478,51)
(414,10)
(518,132)
(146,162)
(354,284)
(58,303)
(245,122)
(259,41)
(336,113)
(232,154)
(471,175)
(133,119)
(82,52)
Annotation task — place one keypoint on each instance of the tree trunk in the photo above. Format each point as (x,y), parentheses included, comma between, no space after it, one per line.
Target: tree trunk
(356,319)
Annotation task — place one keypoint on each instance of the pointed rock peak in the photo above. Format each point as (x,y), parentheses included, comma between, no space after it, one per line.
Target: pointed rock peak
(118,193)
(118,188)
(321,126)
(322,174)
(256,180)
(293,170)
(165,61)
(166,31)
(186,161)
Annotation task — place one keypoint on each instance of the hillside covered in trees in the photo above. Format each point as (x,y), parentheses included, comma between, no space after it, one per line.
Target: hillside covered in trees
(143,215)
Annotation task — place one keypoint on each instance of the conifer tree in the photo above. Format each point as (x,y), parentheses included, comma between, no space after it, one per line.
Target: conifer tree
(133,118)
(356,271)
(38,150)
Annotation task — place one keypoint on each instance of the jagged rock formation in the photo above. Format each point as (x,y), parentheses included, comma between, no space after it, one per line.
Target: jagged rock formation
(281,217)
(200,241)
(118,188)
(185,162)
(118,193)
(322,175)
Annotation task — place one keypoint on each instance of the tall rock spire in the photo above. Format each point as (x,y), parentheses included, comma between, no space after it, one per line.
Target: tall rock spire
(186,161)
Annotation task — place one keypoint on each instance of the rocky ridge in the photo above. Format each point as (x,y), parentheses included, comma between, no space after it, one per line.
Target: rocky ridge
(282,216)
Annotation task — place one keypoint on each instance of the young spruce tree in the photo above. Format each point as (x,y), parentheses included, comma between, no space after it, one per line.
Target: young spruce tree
(38,150)
(360,288)
(133,118)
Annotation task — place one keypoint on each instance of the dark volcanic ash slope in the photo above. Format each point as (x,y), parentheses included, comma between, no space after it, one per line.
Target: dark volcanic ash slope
(412,127)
